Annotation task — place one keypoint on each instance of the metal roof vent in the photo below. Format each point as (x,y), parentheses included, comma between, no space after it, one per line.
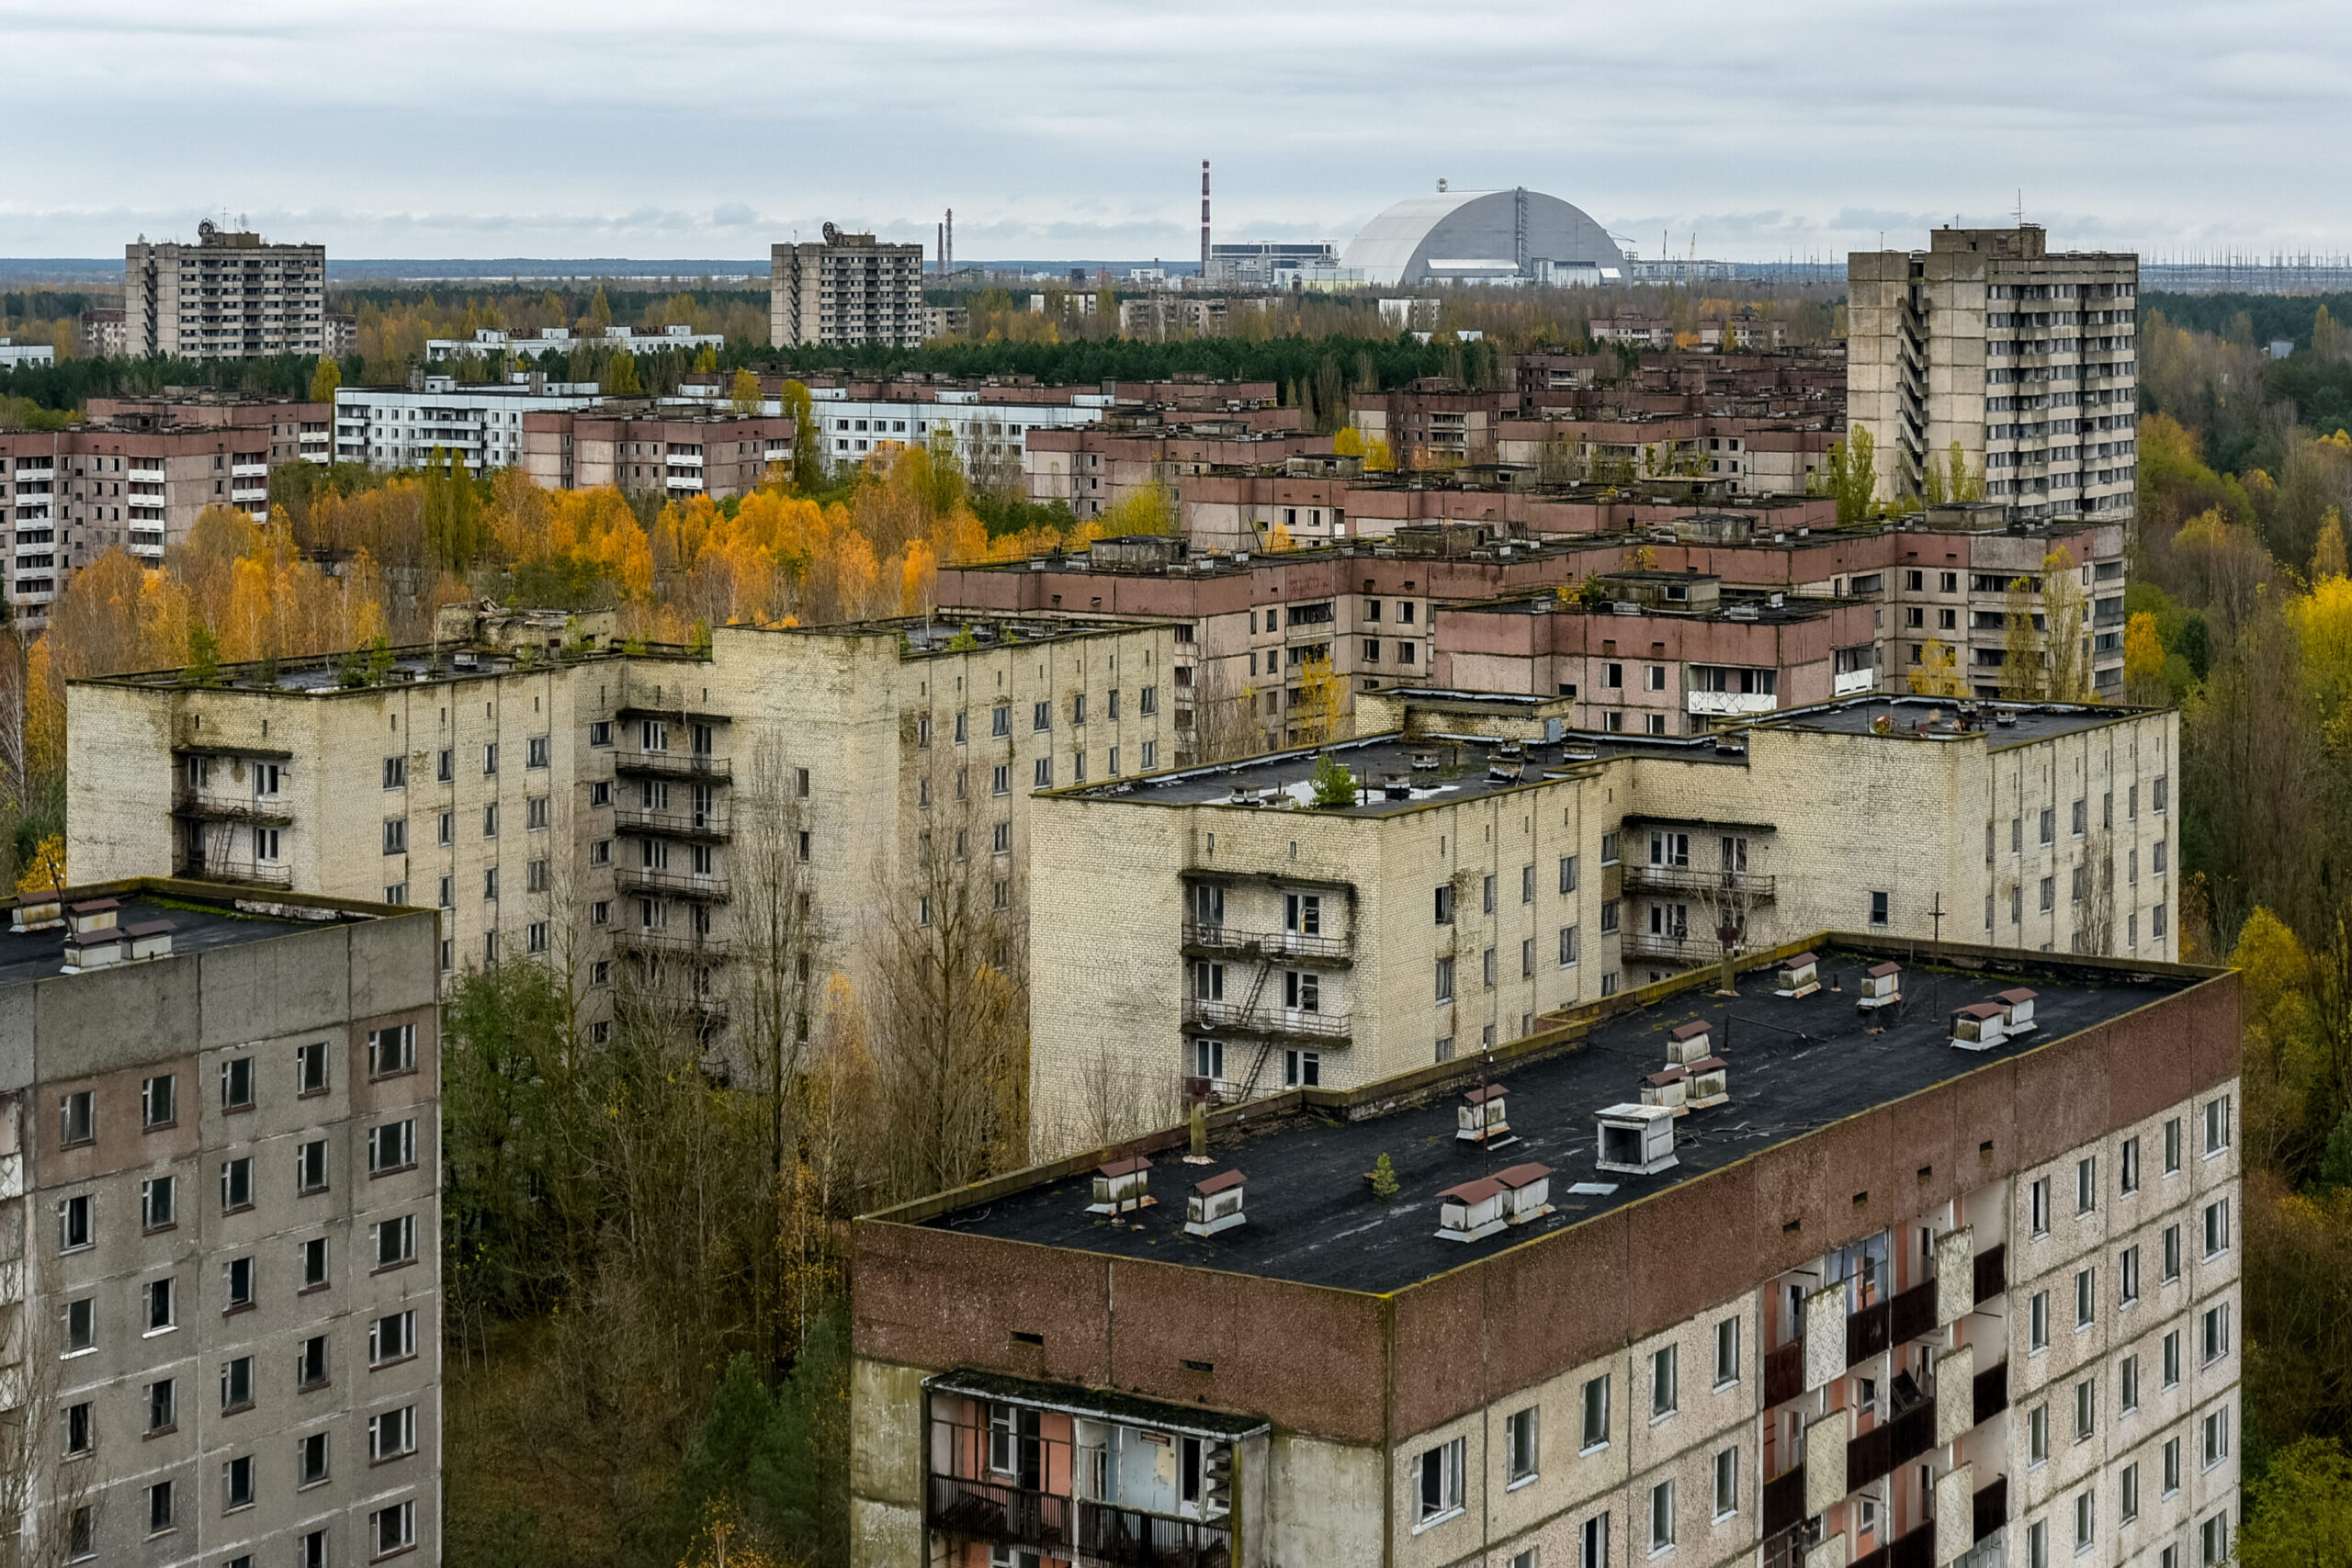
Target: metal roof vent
(150,939)
(1121,1186)
(1979,1026)
(1882,986)
(2019,1016)
(1470,1211)
(1690,1042)
(1394,787)
(1666,1089)
(37,914)
(1480,1118)
(93,916)
(1799,977)
(1708,1084)
(1424,761)
(1215,1204)
(1638,1140)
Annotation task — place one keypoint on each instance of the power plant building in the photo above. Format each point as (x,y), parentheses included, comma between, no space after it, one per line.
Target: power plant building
(1484,236)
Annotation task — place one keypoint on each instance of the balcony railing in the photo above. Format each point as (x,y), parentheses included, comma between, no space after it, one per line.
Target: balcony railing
(983,1511)
(1992,1273)
(1691,879)
(1991,1393)
(1784,1500)
(673,765)
(1784,1372)
(709,826)
(196,805)
(197,870)
(1991,1507)
(684,885)
(1684,949)
(1232,1018)
(669,944)
(1134,1540)
(1264,944)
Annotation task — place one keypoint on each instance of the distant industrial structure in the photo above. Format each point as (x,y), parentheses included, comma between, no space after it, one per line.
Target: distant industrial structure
(1484,236)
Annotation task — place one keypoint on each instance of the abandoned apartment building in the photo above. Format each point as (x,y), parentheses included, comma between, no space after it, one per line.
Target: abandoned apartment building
(1893,1259)
(219,1227)
(1494,866)
(560,795)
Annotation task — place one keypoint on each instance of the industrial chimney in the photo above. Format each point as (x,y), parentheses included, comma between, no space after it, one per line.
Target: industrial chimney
(947,244)
(1205,221)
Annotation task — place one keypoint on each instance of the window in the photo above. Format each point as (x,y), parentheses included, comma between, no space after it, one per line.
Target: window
(78,1434)
(1727,1483)
(237,1483)
(2172,1358)
(1520,1433)
(1608,916)
(311,1459)
(391,1050)
(391,1434)
(1727,1352)
(2171,1466)
(159,1102)
(2131,1166)
(2085,1299)
(1437,1482)
(310,1068)
(2086,1185)
(2157,795)
(2172,1146)
(2038,1322)
(2127,1384)
(1567,874)
(2040,1194)
(490,757)
(2217,1124)
(75,1223)
(159,1202)
(161,1305)
(1487,968)
(448,828)
(1879,908)
(394,1241)
(81,1534)
(445,766)
(2037,1435)
(392,1530)
(2214,1329)
(314,1263)
(237,1084)
(236,1184)
(490,821)
(2049,825)
(1609,848)
(159,1507)
(2213,1438)
(391,1147)
(1302,1069)
(311,1366)
(237,1284)
(1664,1395)
(600,732)
(396,836)
(2128,1276)
(81,1326)
(1567,947)
(1444,980)
(311,1167)
(2217,1227)
(162,1406)
(1150,755)
(396,773)
(391,1338)
(2085,1521)
(1596,1413)
(1042,773)
(1662,1516)
(236,1384)
(1594,1541)
(2085,1408)
(1444,903)
(1041,716)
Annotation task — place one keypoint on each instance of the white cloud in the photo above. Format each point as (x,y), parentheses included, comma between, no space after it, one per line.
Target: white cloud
(1075,128)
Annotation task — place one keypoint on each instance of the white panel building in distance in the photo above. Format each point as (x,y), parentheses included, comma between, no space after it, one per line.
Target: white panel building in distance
(850,289)
(229,296)
(2027,361)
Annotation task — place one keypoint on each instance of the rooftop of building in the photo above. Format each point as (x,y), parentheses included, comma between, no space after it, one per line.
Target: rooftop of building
(1796,1066)
(950,631)
(2003,723)
(363,671)
(164,917)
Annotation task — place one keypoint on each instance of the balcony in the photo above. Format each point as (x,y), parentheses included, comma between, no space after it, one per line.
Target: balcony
(1691,879)
(983,1511)
(1992,1273)
(1730,705)
(193,805)
(703,826)
(664,944)
(1231,940)
(1991,1391)
(1133,1539)
(1232,1018)
(673,765)
(199,869)
(711,886)
(1673,947)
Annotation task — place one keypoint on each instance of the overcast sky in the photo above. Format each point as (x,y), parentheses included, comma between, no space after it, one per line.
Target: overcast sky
(1074,128)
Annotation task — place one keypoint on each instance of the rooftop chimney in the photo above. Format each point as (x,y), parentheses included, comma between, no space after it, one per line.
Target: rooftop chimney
(1882,986)
(1215,1204)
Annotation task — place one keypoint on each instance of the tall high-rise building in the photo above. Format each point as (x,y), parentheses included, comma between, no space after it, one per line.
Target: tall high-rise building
(229,296)
(2024,361)
(849,290)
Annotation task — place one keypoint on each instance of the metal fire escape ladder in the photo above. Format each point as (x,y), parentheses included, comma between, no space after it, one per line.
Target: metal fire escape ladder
(1249,1014)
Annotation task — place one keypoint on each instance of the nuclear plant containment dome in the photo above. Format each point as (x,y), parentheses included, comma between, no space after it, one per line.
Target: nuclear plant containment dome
(1484,236)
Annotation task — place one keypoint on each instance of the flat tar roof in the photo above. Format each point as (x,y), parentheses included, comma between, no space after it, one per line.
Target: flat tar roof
(2001,724)
(201,921)
(1312,1219)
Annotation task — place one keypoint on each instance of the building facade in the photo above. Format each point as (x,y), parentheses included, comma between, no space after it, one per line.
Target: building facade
(673,450)
(401,427)
(496,342)
(227,1301)
(557,796)
(847,290)
(1777,1281)
(2025,360)
(229,296)
(1497,866)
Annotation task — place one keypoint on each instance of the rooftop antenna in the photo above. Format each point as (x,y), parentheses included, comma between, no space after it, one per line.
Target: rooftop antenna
(2020,207)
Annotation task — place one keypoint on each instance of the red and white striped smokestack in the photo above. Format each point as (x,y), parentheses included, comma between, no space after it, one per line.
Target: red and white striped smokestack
(1205,220)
